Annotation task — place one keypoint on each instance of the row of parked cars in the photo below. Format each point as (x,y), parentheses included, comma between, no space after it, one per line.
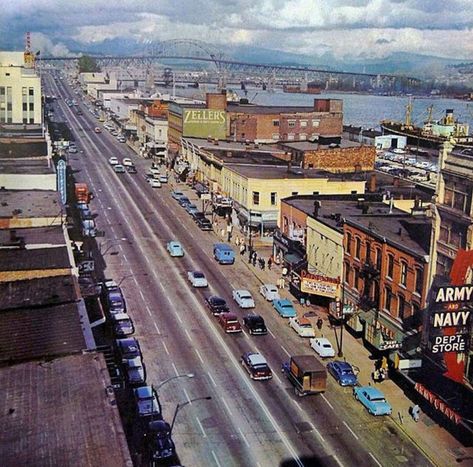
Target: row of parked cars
(198,216)
(156,430)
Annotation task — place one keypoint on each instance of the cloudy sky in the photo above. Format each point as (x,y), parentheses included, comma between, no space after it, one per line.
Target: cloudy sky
(344,28)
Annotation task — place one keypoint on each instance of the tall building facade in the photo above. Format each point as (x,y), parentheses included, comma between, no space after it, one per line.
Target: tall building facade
(20,90)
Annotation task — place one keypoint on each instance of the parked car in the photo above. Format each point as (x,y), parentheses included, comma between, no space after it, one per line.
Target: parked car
(159,441)
(243,298)
(122,325)
(135,371)
(154,171)
(163,178)
(85,213)
(197,279)
(322,347)
(113,160)
(183,201)
(119,168)
(216,304)
(204,224)
(373,399)
(223,253)
(255,325)
(175,248)
(121,139)
(146,400)
(190,208)
(115,302)
(127,161)
(127,348)
(285,308)
(302,326)
(256,366)
(131,169)
(229,322)
(154,183)
(72,150)
(198,215)
(177,194)
(269,292)
(342,372)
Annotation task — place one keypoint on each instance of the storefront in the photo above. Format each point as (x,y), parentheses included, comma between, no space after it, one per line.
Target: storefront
(381,333)
(291,252)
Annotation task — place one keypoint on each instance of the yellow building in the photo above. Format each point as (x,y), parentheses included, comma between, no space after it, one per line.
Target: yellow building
(20,90)
(257,190)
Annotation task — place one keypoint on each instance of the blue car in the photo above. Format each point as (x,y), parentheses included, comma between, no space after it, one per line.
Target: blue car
(190,208)
(183,201)
(373,399)
(285,308)
(175,248)
(342,372)
(177,195)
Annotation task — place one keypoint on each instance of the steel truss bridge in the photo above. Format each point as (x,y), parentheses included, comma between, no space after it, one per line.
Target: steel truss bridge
(225,67)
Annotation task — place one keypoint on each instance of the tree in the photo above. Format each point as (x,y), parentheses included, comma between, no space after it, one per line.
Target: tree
(88,65)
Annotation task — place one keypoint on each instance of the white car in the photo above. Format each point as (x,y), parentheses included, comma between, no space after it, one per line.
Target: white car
(302,326)
(269,292)
(243,298)
(127,161)
(322,347)
(154,171)
(154,183)
(197,279)
(113,160)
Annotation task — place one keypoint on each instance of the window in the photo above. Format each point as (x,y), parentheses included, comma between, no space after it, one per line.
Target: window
(25,106)
(455,195)
(256,197)
(275,136)
(348,247)
(275,122)
(290,137)
(419,280)
(401,306)
(368,252)
(315,123)
(357,247)
(303,123)
(274,198)
(390,271)
(387,299)
(294,193)
(2,90)
(347,273)
(31,106)
(376,292)
(356,282)
(31,91)
(403,275)
(302,137)
(291,123)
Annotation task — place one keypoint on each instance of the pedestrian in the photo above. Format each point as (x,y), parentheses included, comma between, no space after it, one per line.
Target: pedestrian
(255,257)
(319,324)
(415,412)
(284,271)
(242,249)
(270,262)
(263,264)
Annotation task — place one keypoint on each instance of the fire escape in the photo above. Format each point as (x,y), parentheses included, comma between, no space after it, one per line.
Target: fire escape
(369,297)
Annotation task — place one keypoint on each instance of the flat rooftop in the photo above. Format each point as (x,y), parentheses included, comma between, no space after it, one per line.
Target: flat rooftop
(204,143)
(58,413)
(268,109)
(52,235)
(38,292)
(21,259)
(22,147)
(25,204)
(40,332)
(25,166)
(309,146)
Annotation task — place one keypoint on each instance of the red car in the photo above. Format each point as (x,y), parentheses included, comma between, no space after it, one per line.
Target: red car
(229,322)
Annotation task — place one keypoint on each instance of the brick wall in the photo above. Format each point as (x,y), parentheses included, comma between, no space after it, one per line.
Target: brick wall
(341,159)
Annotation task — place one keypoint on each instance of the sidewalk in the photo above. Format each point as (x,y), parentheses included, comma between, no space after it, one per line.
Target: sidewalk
(437,444)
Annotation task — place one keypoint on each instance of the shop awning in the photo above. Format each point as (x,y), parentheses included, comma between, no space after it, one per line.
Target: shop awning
(292,258)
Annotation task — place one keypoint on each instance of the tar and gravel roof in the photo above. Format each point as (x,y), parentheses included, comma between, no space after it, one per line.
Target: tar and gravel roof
(30,203)
(20,259)
(59,412)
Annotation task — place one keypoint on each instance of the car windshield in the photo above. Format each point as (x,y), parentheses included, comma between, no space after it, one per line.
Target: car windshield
(260,367)
(305,325)
(377,399)
(258,321)
(199,275)
(245,297)
(218,301)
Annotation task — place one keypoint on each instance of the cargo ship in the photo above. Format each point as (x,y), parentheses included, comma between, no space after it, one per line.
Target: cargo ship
(433,133)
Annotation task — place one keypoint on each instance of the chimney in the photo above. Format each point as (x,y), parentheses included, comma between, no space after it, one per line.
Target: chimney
(372,183)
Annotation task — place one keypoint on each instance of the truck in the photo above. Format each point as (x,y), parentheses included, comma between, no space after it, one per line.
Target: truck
(307,374)
(89,228)
(224,253)
(83,195)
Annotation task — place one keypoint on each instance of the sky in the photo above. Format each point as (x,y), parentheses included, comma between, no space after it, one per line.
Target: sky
(364,29)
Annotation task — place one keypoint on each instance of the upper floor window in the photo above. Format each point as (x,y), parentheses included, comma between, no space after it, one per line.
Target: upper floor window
(403,274)
(303,123)
(357,247)
(291,123)
(419,285)
(256,198)
(274,198)
(390,271)
(275,122)
(348,248)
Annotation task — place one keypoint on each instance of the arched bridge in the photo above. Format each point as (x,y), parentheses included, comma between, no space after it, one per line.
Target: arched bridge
(195,50)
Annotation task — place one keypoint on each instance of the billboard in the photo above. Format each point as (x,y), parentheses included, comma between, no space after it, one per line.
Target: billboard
(202,123)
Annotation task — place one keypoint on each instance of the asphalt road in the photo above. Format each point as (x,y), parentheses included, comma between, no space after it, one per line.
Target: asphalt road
(246,423)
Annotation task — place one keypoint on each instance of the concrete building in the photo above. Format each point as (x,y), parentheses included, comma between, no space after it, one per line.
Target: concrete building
(20,91)
(258,123)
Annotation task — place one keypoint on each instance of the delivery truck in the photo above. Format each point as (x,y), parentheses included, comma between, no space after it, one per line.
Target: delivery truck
(307,374)
(83,195)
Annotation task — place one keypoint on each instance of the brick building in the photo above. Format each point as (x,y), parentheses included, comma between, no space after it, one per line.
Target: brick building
(283,123)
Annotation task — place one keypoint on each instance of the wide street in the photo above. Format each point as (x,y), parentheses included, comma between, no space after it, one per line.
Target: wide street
(245,423)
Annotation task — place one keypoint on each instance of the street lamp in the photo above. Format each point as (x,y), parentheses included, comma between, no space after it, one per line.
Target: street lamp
(162,383)
(179,407)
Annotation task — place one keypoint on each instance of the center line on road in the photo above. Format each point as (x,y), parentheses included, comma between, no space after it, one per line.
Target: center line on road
(204,434)
(277,377)
(142,296)
(175,369)
(149,311)
(200,356)
(274,337)
(216,459)
(244,437)
(297,405)
(284,348)
(165,348)
(376,460)
(350,430)
(328,402)
(211,379)
(156,326)
(178,318)
(317,432)
(187,334)
(227,407)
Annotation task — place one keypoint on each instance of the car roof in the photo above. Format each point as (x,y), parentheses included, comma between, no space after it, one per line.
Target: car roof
(304,321)
(134,362)
(242,291)
(144,391)
(120,316)
(254,317)
(372,391)
(284,301)
(343,365)
(256,359)
(215,298)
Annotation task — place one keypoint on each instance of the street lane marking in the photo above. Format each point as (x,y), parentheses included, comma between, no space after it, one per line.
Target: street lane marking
(227,407)
(376,460)
(200,356)
(326,400)
(178,318)
(165,348)
(211,379)
(175,369)
(284,348)
(277,377)
(244,437)
(204,434)
(187,396)
(149,311)
(188,335)
(338,460)
(297,405)
(317,432)
(142,296)
(350,430)
(156,326)
(216,459)
(274,337)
